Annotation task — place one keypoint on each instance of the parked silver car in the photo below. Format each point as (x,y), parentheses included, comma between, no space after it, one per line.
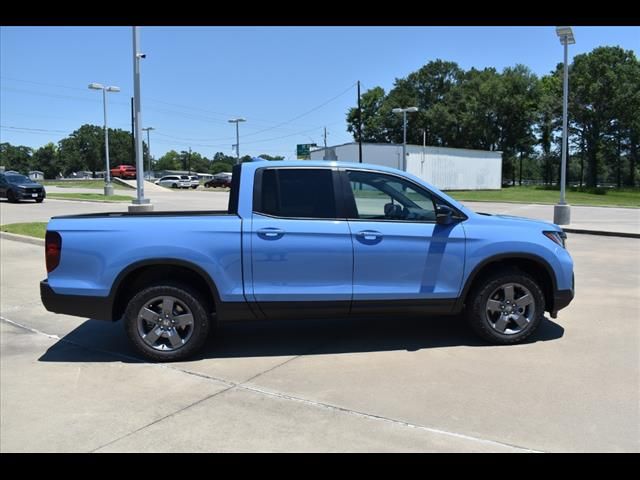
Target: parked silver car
(195,181)
(174,181)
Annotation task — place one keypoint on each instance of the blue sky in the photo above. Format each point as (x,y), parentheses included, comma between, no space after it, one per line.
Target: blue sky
(288,82)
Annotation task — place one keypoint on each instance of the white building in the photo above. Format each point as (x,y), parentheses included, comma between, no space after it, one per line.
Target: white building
(446,168)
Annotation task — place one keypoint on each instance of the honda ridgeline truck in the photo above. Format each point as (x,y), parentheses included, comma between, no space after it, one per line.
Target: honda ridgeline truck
(306,239)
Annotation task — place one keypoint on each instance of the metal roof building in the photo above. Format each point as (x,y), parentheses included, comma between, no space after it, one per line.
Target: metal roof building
(446,168)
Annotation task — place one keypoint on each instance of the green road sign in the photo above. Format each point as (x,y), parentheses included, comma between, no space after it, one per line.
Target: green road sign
(303,150)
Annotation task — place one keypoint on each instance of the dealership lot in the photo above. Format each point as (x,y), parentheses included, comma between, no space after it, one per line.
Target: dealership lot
(73,384)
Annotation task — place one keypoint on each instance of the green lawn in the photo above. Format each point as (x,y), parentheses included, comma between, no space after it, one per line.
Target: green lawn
(98,184)
(91,196)
(35,229)
(622,198)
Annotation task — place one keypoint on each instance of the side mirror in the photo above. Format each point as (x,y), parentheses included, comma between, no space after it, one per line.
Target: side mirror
(444,215)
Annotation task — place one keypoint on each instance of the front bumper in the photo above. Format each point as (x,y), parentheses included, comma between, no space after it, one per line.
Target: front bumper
(99,308)
(24,195)
(562,298)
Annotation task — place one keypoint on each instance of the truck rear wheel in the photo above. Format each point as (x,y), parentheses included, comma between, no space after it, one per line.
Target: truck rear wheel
(506,307)
(167,322)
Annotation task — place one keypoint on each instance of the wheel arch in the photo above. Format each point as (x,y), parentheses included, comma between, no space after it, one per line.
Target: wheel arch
(138,274)
(534,265)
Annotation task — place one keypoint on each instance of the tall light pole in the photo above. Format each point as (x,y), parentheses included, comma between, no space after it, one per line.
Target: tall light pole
(148,129)
(237,121)
(139,203)
(562,211)
(404,111)
(108,188)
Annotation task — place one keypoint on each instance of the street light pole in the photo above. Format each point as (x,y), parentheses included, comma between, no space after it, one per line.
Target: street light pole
(108,188)
(237,121)
(148,129)
(562,211)
(404,112)
(139,203)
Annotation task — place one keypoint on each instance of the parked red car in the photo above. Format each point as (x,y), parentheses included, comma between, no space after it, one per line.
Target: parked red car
(124,171)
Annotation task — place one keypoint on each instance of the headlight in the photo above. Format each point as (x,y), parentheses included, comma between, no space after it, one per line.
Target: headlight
(557,237)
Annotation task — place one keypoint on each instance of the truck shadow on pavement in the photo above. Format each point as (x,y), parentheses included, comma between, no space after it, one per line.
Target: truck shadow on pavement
(99,341)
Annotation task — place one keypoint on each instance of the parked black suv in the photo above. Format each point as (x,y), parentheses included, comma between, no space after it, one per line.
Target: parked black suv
(16,187)
(219,180)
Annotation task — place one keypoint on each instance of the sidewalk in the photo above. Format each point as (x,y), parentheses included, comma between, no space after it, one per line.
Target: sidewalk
(590,219)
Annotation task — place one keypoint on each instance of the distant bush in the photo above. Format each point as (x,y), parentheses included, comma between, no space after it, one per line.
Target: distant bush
(591,190)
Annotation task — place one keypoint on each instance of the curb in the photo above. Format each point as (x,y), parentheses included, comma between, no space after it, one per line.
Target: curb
(22,238)
(89,200)
(601,232)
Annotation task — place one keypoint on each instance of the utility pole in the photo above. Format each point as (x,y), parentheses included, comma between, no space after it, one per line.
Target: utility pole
(133,134)
(189,160)
(325,137)
(148,151)
(520,178)
(359,126)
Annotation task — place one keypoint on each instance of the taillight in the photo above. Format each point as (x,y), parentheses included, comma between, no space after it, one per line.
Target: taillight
(52,249)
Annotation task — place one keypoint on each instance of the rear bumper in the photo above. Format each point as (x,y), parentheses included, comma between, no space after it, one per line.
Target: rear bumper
(99,308)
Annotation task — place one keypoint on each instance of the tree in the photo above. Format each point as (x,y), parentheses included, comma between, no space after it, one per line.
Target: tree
(601,85)
(169,161)
(15,157)
(46,159)
(270,158)
(547,120)
(373,125)
(218,167)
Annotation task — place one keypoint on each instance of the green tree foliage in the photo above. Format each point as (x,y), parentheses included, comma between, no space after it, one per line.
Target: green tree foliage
(169,161)
(15,157)
(519,114)
(604,103)
(219,167)
(47,160)
(271,158)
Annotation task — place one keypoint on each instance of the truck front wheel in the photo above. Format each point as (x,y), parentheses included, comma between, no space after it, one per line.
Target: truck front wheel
(505,307)
(167,322)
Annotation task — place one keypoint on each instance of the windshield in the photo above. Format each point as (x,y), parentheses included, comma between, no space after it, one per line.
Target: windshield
(18,179)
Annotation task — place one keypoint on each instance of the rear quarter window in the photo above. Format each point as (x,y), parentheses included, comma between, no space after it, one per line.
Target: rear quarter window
(296,193)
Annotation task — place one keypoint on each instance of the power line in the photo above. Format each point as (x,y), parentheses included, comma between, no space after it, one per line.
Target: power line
(151,99)
(7,127)
(305,113)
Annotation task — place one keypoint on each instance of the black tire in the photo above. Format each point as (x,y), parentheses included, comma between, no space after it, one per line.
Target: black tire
(39,200)
(11,196)
(174,185)
(479,316)
(198,307)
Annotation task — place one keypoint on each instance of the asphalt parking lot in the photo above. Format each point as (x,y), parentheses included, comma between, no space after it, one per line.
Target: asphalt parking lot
(74,385)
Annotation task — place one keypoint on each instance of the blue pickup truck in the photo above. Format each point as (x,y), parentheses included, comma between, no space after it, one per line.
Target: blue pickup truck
(306,239)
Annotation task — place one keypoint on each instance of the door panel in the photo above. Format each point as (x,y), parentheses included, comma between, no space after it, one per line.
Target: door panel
(301,260)
(407,260)
(400,252)
(301,254)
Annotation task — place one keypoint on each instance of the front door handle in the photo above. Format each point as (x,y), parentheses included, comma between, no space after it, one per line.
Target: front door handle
(270,233)
(369,235)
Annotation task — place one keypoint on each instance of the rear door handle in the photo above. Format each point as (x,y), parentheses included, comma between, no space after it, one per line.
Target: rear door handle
(369,235)
(270,233)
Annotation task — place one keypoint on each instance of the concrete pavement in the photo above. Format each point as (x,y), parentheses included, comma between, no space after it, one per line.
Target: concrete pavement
(72,384)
